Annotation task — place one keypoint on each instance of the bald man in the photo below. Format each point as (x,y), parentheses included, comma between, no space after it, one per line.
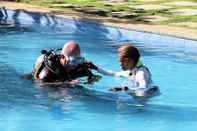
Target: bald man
(70,50)
(70,65)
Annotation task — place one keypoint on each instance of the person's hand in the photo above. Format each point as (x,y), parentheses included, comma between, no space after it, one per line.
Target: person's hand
(74,82)
(93,79)
(118,89)
(91,65)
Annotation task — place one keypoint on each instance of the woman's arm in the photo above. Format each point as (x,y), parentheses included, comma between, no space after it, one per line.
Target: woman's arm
(125,74)
(107,72)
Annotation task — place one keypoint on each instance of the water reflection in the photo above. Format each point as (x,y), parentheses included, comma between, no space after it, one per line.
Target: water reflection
(73,100)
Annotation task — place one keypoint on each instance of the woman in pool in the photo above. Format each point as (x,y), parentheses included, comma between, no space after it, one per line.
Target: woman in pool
(69,66)
(134,70)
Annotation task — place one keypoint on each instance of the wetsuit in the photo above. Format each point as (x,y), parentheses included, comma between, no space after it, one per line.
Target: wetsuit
(55,73)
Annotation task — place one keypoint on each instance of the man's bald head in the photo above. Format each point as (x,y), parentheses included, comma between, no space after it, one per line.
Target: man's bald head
(71,48)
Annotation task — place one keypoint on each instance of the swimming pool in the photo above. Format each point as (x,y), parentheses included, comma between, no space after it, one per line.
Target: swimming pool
(25,106)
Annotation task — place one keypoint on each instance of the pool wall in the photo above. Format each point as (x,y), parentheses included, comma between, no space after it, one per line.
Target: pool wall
(25,18)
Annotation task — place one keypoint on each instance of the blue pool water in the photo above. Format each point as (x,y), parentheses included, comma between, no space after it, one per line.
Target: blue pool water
(25,106)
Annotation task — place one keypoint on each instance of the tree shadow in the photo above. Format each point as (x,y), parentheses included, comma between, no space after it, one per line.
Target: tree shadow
(3,15)
(10,26)
(82,27)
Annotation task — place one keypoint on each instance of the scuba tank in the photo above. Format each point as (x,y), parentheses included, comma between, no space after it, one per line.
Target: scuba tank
(49,59)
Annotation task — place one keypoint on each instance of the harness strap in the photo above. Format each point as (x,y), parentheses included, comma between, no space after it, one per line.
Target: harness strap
(48,67)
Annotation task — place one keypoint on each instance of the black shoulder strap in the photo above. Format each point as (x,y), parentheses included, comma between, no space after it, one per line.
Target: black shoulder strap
(53,66)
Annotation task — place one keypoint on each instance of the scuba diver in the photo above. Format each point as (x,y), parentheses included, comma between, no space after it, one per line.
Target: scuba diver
(138,74)
(64,67)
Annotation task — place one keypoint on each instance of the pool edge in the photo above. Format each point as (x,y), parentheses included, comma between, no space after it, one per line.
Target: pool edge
(178,32)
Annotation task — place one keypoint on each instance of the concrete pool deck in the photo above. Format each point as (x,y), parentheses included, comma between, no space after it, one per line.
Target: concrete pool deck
(179,32)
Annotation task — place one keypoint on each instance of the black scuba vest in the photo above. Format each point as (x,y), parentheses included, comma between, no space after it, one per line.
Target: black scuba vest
(57,70)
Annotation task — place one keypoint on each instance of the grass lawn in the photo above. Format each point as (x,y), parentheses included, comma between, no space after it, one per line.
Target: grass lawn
(162,12)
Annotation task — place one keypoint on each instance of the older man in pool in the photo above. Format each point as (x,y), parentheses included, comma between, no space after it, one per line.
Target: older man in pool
(69,66)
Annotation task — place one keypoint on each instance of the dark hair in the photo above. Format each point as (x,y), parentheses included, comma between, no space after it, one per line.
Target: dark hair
(130,52)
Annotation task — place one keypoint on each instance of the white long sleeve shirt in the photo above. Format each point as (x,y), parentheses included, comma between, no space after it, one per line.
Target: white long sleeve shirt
(139,76)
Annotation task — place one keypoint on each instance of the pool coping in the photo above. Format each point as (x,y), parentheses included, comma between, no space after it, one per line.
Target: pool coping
(178,32)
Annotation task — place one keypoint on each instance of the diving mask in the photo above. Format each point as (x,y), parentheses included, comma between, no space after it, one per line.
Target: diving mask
(75,61)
